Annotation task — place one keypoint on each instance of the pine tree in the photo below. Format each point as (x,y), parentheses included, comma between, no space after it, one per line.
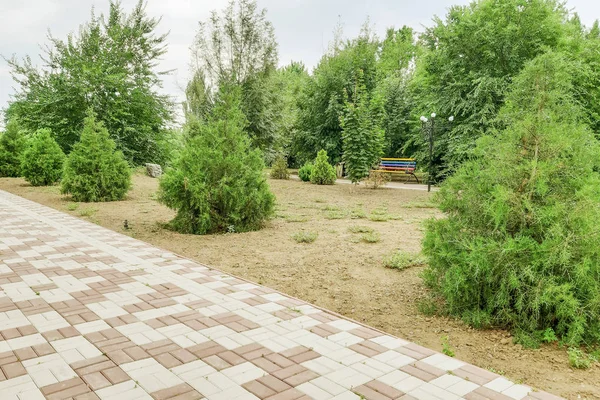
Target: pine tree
(217,183)
(12,144)
(43,159)
(322,172)
(95,170)
(362,135)
(520,247)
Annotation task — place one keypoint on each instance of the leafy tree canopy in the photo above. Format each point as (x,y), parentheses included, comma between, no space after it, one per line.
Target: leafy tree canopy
(108,66)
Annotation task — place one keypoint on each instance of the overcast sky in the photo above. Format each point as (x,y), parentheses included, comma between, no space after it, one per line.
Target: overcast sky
(303,27)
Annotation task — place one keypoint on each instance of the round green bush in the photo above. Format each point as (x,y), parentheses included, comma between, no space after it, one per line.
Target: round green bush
(12,144)
(42,161)
(323,173)
(279,169)
(520,246)
(95,170)
(217,183)
(305,171)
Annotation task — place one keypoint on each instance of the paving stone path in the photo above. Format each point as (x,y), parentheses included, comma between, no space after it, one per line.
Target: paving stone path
(88,313)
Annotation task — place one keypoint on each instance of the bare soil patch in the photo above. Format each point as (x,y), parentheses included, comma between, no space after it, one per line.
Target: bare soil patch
(338,271)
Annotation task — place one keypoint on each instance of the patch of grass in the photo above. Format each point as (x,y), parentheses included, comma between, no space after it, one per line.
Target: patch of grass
(331,207)
(446,349)
(360,229)
(87,212)
(335,214)
(402,260)
(319,200)
(371,237)
(72,206)
(578,359)
(296,218)
(305,237)
(379,214)
(358,213)
(420,204)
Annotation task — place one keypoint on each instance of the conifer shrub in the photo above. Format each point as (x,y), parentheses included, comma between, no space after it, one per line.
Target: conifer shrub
(217,183)
(520,246)
(305,171)
(95,170)
(12,144)
(279,169)
(322,172)
(42,161)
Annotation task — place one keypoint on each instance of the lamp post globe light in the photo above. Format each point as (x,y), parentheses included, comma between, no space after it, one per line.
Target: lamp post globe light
(428,126)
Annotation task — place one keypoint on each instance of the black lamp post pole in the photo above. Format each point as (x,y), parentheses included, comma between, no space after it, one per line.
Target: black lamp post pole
(431,130)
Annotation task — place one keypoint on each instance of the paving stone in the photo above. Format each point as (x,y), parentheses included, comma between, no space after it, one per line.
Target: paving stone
(91,314)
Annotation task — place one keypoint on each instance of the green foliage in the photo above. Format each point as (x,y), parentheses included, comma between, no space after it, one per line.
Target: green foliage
(279,169)
(12,144)
(238,46)
(305,171)
(360,229)
(305,237)
(578,359)
(95,170)
(519,246)
(42,161)
(362,135)
(467,62)
(446,348)
(402,260)
(109,66)
(217,182)
(332,84)
(322,173)
(370,237)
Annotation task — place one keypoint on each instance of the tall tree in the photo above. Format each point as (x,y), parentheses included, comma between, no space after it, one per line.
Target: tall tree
(12,145)
(468,61)
(333,82)
(110,67)
(362,135)
(238,46)
(519,245)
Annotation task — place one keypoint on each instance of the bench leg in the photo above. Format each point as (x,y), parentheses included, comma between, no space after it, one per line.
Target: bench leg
(416,177)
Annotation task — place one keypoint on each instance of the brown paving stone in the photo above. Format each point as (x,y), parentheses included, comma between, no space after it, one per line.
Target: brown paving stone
(160,347)
(43,349)
(290,394)
(216,362)
(168,361)
(232,358)
(25,353)
(487,394)
(27,330)
(53,335)
(258,389)
(384,389)
(119,357)
(474,374)
(8,357)
(10,333)
(274,383)
(369,393)
(419,373)
(91,365)
(266,365)
(87,396)
(136,353)
(115,375)
(368,348)
(182,391)
(206,349)
(96,380)
(13,370)
(300,378)
(65,389)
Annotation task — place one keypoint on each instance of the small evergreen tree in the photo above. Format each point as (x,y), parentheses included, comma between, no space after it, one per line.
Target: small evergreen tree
(322,172)
(279,169)
(362,135)
(305,171)
(12,144)
(217,183)
(520,247)
(42,161)
(95,170)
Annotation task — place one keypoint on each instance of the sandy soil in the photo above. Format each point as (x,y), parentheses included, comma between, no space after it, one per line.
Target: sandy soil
(336,271)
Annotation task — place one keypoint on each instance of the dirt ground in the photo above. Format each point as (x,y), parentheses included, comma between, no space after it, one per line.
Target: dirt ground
(336,271)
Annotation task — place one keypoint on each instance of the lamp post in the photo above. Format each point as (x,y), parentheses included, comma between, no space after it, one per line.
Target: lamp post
(428,127)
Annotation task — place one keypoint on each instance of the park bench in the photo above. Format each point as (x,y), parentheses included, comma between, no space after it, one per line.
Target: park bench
(405,166)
